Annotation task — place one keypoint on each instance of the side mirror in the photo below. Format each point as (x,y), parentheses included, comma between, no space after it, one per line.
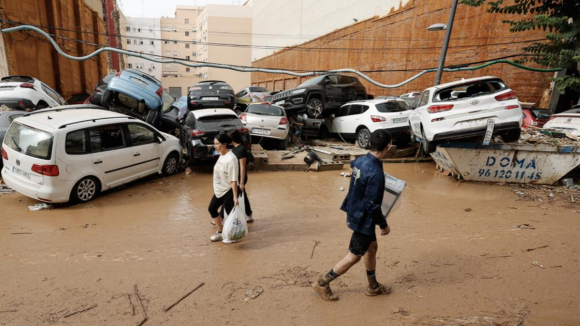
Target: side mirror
(332,116)
(159,138)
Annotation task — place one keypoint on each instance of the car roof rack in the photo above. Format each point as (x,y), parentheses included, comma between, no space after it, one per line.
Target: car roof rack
(64,108)
(95,120)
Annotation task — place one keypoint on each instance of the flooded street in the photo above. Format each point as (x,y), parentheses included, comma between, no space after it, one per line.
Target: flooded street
(453,257)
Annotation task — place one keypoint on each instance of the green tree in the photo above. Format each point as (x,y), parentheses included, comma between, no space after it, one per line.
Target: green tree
(560,19)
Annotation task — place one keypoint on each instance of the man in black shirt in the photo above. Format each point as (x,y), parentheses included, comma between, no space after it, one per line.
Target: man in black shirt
(243,155)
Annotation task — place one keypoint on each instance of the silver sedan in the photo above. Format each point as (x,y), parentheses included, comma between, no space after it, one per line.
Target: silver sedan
(267,120)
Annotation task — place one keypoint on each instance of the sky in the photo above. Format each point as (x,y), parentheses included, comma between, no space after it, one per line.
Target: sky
(166,8)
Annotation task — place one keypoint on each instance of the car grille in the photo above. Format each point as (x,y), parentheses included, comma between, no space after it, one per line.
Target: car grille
(281,95)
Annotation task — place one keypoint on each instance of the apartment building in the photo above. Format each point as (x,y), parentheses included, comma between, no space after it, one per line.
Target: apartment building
(230,27)
(179,35)
(143,35)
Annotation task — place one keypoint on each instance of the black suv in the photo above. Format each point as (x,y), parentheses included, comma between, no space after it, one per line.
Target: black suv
(322,95)
(211,94)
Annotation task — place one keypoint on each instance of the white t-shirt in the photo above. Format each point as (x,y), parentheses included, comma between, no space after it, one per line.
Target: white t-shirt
(225,172)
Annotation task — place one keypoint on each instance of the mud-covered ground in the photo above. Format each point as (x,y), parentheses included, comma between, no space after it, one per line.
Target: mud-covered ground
(454,257)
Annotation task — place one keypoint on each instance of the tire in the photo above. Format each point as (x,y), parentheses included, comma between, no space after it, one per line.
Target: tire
(324,132)
(427,147)
(171,165)
(314,107)
(283,144)
(363,138)
(85,190)
(106,98)
(152,117)
(511,136)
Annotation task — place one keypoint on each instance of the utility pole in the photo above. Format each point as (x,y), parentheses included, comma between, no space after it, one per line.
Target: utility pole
(446,43)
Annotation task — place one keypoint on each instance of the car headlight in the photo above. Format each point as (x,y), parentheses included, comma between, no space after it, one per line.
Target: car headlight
(298,91)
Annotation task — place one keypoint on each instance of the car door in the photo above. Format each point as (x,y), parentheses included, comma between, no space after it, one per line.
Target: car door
(111,156)
(353,119)
(333,91)
(145,148)
(340,119)
(419,112)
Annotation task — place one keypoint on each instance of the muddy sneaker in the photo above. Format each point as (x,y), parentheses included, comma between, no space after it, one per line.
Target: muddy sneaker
(249,219)
(216,237)
(325,292)
(382,289)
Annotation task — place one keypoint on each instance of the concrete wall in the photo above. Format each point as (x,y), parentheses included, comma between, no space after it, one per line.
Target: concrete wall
(181,28)
(298,21)
(399,46)
(146,31)
(34,56)
(226,25)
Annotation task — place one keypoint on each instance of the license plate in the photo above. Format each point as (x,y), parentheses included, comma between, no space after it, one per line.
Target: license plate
(259,131)
(280,102)
(211,98)
(473,123)
(138,81)
(23,173)
(399,120)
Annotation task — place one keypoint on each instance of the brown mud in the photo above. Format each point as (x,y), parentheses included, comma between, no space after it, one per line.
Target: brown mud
(447,265)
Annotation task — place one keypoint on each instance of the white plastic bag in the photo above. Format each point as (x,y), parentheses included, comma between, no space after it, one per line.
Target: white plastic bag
(235,226)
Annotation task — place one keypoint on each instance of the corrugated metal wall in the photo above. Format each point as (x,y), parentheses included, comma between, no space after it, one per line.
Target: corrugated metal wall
(400,43)
(30,54)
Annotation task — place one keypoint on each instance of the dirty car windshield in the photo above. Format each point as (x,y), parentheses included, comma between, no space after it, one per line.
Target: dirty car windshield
(218,122)
(29,141)
(313,81)
(265,110)
(470,90)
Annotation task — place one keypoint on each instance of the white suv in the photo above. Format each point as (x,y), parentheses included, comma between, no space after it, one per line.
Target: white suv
(71,153)
(23,92)
(357,120)
(461,110)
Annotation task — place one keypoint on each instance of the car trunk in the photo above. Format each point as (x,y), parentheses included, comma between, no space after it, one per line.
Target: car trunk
(8,86)
(25,147)
(262,124)
(209,127)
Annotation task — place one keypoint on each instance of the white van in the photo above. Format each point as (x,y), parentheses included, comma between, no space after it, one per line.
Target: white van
(72,153)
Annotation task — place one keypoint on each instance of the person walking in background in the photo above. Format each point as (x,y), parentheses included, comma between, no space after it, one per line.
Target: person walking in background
(225,183)
(242,153)
(363,211)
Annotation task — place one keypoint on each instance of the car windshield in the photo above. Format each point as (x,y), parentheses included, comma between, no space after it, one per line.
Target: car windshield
(17,79)
(541,114)
(262,109)
(470,90)
(392,106)
(313,81)
(256,89)
(204,88)
(218,122)
(29,141)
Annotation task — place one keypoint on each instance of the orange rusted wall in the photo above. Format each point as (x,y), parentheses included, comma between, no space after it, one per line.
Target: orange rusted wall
(400,42)
(31,54)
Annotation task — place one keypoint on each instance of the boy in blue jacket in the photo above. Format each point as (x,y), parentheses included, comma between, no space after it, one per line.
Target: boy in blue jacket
(363,211)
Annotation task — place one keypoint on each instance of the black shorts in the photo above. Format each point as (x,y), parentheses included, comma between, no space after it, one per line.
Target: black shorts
(360,243)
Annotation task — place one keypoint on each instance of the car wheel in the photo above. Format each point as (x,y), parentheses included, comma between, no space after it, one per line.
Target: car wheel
(106,98)
(364,138)
(171,164)
(151,117)
(427,146)
(511,136)
(314,108)
(283,143)
(85,190)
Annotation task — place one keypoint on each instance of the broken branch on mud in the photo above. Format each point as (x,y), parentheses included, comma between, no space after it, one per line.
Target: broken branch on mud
(532,249)
(315,244)
(143,312)
(81,311)
(183,297)
(12,310)
(128,296)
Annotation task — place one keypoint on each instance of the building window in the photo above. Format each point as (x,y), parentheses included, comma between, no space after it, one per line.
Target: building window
(129,41)
(151,66)
(186,33)
(141,42)
(187,69)
(174,29)
(150,30)
(152,43)
(193,30)
(168,65)
(166,42)
(134,30)
(139,30)
(167,29)
(134,41)
(174,42)
(187,21)
(187,45)
(187,58)
(175,54)
(193,54)
(130,65)
(128,28)
(175,66)
(194,42)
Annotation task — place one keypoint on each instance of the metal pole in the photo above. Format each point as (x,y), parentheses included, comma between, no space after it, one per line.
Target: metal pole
(446,43)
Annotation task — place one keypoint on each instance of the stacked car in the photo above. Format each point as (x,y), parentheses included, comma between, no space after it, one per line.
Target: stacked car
(28,93)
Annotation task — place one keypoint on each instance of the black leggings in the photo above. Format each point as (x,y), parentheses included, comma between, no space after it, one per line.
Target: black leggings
(226,202)
(246,202)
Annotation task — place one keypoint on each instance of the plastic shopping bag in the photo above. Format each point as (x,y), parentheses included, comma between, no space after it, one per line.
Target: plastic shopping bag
(235,226)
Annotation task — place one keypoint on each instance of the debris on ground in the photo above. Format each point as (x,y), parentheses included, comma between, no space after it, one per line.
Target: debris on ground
(39,207)
(535,263)
(536,248)
(143,311)
(4,189)
(547,194)
(4,108)
(533,135)
(341,188)
(183,297)
(524,226)
(81,311)
(402,312)
(468,209)
(315,244)
(346,175)
(254,293)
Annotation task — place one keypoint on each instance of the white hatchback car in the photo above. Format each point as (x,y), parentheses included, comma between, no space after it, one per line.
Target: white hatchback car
(462,109)
(72,154)
(357,120)
(567,122)
(268,121)
(23,92)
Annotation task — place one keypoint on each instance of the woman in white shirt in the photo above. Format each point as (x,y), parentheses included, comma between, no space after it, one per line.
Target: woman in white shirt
(225,183)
